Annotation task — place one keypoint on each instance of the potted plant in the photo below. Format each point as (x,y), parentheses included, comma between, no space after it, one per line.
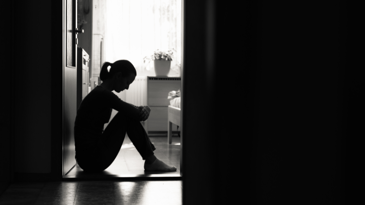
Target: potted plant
(162,62)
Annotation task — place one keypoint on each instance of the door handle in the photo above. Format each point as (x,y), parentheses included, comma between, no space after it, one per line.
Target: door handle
(79,31)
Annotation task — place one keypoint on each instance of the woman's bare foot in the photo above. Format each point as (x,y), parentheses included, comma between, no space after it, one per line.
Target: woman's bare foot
(158,166)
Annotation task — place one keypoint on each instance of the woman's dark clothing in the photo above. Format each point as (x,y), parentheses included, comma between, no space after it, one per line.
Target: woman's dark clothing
(97,148)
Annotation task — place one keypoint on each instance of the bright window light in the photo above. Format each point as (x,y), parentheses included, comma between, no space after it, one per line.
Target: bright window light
(134,29)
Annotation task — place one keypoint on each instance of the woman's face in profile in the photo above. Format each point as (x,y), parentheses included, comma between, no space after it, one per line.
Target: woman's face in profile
(124,82)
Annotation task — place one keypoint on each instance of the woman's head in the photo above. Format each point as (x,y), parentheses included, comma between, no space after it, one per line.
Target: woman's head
(120,75)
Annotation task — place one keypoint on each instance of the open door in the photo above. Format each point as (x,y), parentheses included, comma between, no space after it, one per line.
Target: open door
(69,87)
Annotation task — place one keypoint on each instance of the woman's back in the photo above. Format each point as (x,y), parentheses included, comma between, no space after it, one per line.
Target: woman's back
(95,110)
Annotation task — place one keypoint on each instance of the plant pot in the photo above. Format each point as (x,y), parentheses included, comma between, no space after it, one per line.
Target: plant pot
(162,67)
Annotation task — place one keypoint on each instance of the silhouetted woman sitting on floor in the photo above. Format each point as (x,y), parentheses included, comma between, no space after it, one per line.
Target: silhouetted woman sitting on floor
(97,148)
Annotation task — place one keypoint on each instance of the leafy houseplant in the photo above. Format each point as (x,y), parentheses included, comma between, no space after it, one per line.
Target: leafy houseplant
(160,55)
(162,62)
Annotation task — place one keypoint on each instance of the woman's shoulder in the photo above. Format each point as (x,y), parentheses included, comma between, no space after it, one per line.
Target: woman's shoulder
(104,93)
(97,92)
(99,96)
(100,90)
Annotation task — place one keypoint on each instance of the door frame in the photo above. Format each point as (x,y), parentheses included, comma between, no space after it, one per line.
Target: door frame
(61,142)
(69,103)
(58,59)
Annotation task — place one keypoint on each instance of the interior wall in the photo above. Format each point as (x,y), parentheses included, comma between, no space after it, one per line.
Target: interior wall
(199,139)
(32,86)
(85,39)
(98,35)
(298,145)
(6,105)
(283,142)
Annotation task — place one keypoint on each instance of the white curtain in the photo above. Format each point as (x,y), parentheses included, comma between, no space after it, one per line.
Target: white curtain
(134,29)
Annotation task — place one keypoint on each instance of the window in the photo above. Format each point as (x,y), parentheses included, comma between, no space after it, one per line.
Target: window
(136,28)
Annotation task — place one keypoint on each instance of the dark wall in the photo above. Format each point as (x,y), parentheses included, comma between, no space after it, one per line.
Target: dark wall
(6,103)
(275,130)
(298,141)
(198,136)
(25,106)
(32,86)
(31,60)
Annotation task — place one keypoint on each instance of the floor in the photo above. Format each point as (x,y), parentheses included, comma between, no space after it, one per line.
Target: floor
(94,192)
(129,163)
(124,182)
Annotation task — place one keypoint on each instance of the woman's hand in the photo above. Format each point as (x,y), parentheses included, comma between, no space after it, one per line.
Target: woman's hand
(145,112)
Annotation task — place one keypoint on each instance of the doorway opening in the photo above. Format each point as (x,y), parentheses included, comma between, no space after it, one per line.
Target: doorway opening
(101,36)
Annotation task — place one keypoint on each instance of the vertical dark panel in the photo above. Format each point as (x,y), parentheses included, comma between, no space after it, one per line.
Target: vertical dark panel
(199,130)
(6,102)
(236,97)
(299,126)
(32,87)
(57,69)
(277,109)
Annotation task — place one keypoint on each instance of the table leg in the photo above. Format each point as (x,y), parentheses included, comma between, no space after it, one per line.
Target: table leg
(169,132)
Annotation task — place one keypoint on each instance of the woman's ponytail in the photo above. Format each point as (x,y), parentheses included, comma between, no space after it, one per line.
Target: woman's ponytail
(104,74)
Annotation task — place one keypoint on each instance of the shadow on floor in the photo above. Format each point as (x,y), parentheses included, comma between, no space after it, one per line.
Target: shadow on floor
(129,164)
